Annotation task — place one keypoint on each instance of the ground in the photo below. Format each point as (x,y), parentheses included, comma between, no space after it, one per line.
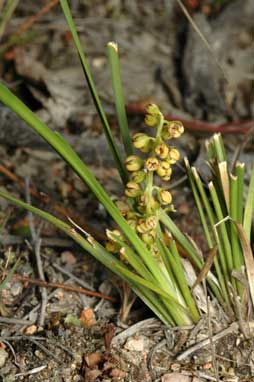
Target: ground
(77,337)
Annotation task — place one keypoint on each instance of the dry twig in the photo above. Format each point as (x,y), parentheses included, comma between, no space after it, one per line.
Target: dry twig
(241,127)
(27,24)
(232,328)
(69,288)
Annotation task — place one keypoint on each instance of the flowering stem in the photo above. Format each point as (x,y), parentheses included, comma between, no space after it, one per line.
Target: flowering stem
(149,192)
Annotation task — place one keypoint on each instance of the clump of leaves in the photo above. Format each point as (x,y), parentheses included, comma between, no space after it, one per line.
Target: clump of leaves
(227,216)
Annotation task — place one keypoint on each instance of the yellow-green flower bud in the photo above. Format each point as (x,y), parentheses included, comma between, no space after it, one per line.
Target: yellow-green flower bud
(151,222)
(147,225)
(172,129)
(164,169)
(141,226)
(164,197)
(176,129)
(138,176)
(154,204)
(142,142)
(132,190)
(152,109)
(152,120)
(143,200)
(148,237)
(174,155)
(131,215)
(153,116)
(162,150)
(152,164)
(133,163)
(112,247)
(132,223)
(166,178)
(112,235)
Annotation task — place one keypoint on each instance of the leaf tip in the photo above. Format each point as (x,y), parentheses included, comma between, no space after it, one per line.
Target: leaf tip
(113,45)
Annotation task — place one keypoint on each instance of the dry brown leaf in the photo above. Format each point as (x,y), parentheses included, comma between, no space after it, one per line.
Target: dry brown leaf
(223,168)
(109,334)
(248,257)
(206,267)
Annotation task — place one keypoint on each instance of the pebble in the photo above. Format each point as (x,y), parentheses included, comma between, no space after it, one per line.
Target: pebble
(3,357)
(140,344)
(175,377)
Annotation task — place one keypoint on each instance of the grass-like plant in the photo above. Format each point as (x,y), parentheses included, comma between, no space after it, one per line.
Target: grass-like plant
(144,249)
(226,213)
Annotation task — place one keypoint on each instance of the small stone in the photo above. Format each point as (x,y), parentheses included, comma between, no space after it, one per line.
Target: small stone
(3,357)
(39,354)
(16,289)
(175,377)
(175,366)
(93,359)
(91,375)
(140,344)
(31,330)
(207,366)
(117,373)
(68,258)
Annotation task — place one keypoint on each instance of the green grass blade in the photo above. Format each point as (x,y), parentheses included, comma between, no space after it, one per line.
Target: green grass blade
(199,205)
(181,238)
(154,303)
(219,148)
(223,230)
(211,217)
(249,208)
(178,312)
(140,280)
(118,96)
(176,265)
(133,259)
(236,249)
(6,14)
(239,170)
(191,251)
(92,88)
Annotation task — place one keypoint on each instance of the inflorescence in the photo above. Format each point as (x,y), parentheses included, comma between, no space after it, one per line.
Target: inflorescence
(144,198)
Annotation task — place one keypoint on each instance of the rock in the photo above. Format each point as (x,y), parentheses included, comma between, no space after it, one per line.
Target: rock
(139,343)
(208,94)
(3,357)
(175,377)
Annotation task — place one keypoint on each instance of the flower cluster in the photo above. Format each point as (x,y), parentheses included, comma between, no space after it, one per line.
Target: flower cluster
(145,198)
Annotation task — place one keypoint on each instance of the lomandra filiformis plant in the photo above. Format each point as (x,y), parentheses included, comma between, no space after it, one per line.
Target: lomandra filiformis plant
(144,203)
(144,249)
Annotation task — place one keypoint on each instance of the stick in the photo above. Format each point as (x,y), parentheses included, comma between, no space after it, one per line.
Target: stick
(70,288)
